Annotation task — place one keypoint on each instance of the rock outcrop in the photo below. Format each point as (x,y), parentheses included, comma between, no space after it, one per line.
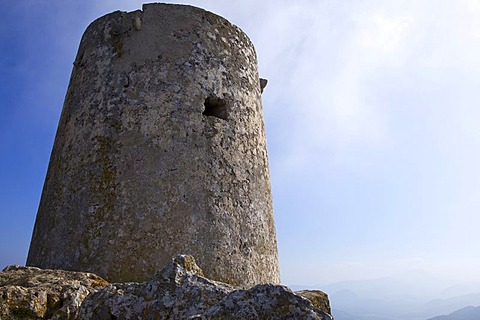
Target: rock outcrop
(33,293)
(318,298)
(179,291)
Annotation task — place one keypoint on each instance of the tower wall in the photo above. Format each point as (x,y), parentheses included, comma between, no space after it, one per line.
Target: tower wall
(160,150)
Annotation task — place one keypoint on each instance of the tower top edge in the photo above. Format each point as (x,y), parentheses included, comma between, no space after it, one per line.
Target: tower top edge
(166,8)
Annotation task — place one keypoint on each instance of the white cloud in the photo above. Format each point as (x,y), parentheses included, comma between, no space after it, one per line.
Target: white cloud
(382,33)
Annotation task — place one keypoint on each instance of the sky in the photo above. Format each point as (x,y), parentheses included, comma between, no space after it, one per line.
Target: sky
(372,114)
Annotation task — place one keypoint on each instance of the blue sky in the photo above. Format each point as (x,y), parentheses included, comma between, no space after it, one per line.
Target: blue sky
(372,114)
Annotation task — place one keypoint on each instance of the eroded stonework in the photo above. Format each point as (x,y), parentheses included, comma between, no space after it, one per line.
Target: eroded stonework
(160,150)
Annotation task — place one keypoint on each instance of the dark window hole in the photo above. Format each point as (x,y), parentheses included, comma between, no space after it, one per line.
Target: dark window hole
(215,107)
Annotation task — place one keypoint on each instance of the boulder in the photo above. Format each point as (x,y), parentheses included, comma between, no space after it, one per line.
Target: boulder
(33,293)
(318,298)
(179,291)
(265,301)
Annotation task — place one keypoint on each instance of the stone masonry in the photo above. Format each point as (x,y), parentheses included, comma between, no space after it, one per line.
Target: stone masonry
(160,150)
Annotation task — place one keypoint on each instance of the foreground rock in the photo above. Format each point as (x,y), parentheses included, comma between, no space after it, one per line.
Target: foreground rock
(177,292)
(318,298)
(180,291)
(265,301)
(33,293)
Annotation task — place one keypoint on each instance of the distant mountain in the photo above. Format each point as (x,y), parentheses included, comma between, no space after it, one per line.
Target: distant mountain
(461,289)
(416,284)
(413,295)
(468,313)
(342,315)
(446,306)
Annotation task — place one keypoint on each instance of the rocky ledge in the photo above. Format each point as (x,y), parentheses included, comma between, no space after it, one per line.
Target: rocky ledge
(179,291)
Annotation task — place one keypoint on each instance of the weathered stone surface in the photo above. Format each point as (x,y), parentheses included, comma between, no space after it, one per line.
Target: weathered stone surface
(33,293)
(265,301)
(181,292)
(160,150)
(318,298)
(177,292)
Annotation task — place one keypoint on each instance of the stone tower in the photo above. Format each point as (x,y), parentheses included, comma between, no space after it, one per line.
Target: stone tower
(160,150)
